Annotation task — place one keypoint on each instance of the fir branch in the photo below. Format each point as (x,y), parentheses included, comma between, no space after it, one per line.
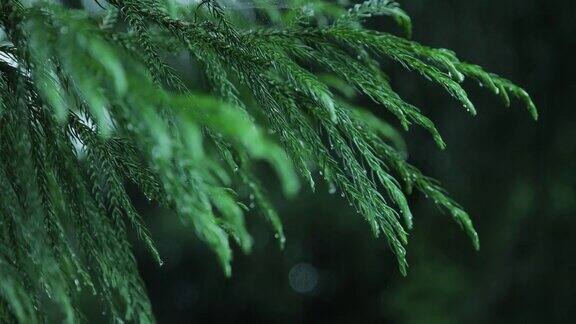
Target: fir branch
(88,102)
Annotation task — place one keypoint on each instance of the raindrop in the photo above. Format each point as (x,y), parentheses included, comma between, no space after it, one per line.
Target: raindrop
(303,278)
(332,189)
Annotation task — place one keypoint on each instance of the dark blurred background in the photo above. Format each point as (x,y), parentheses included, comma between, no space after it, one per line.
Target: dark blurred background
(517,178)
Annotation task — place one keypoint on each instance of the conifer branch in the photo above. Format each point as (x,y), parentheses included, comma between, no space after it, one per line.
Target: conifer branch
(88,103)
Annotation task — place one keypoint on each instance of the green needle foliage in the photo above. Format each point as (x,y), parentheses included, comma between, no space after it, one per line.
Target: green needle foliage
(89,104)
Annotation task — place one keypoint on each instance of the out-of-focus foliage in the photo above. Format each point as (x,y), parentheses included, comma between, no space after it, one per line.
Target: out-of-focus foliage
(89,104)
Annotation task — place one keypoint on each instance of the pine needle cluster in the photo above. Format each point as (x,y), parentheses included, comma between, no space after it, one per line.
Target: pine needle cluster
(89,105)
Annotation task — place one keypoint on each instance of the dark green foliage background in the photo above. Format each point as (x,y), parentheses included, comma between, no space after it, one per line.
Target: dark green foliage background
(516,178)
